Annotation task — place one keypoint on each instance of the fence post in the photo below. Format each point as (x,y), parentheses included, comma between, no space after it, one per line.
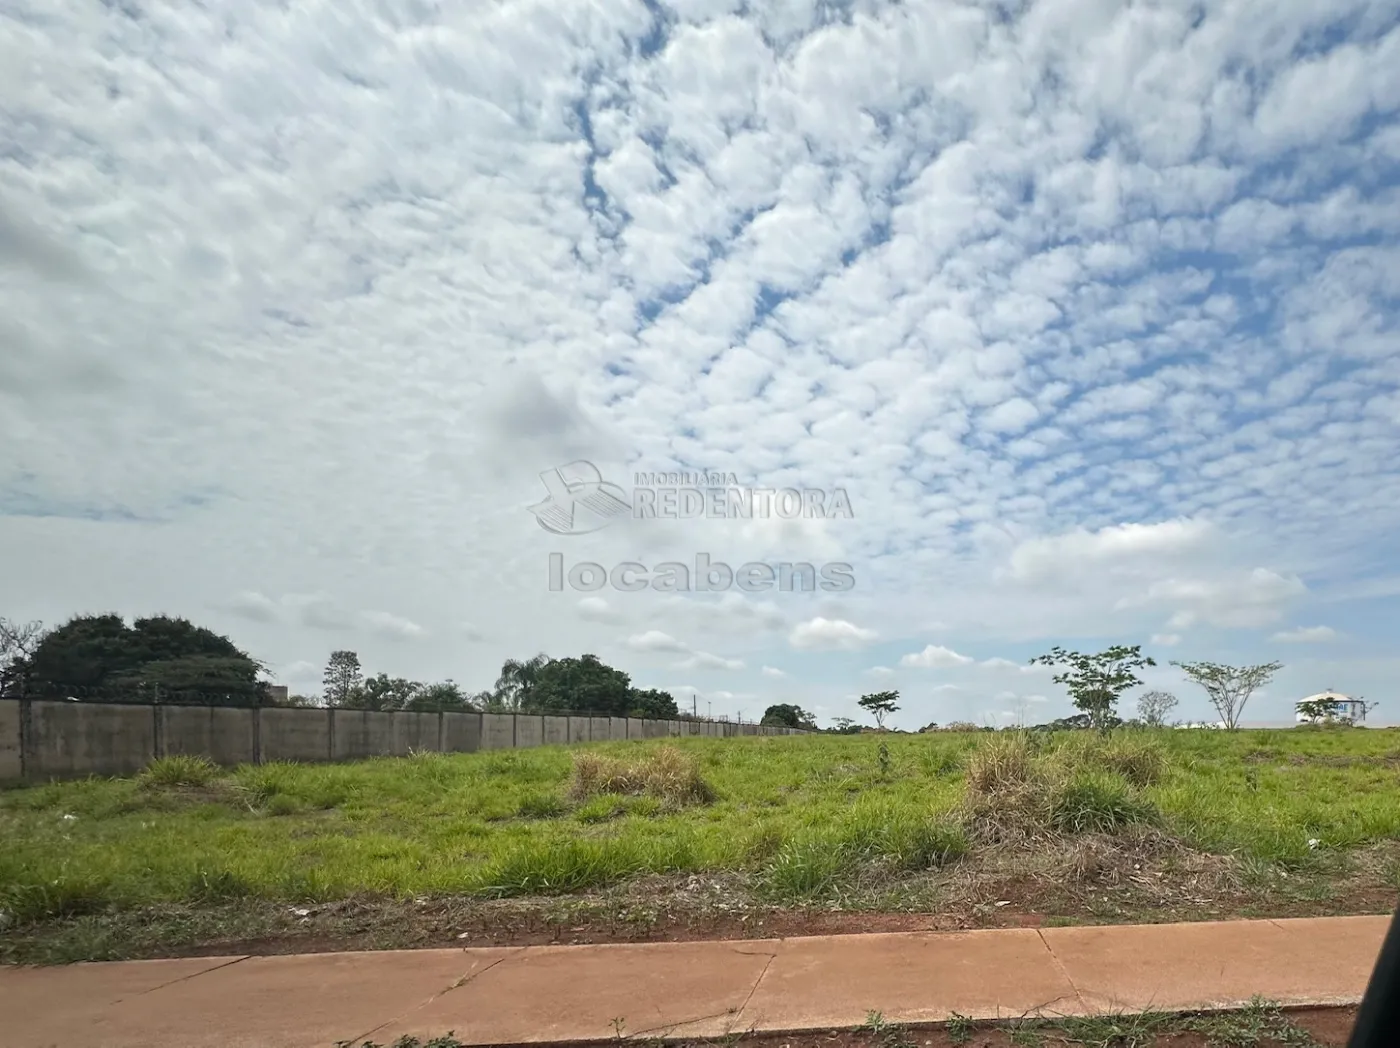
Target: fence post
(26,734)
(257,729)
(330,733)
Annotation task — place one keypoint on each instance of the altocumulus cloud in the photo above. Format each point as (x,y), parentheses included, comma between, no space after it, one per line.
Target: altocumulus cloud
(1091,311)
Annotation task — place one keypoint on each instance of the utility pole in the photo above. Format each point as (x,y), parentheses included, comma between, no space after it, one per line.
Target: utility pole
(695,704)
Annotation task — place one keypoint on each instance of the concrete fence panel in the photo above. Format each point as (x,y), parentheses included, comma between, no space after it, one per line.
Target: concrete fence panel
(497,731)
(529,730)
(461,732)
(363,733)
(227,735)
(634,728)
(599,729)
(68,739)
(11,761)
(578,729)
(295,735)
(556,731)
(617,728)
(415,732)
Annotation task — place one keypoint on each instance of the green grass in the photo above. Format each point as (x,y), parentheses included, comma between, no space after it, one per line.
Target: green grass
(801,816)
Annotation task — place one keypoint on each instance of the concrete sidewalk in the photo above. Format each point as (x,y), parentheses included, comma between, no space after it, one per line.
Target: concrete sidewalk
(701,989)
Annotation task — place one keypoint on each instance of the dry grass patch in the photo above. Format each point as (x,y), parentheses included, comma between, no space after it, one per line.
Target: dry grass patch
(665,773)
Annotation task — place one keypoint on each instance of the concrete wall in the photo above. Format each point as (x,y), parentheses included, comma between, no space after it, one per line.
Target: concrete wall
(461,732)
(223,734)
(296,735)
(529,729)
(11,765)
(73,739)
(42,740)
(556,731)
(497,731)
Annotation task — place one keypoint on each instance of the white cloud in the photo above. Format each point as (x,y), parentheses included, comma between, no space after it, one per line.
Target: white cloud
(830,634)
(880,671)
(1166,640)
(703,660)
(1306,635)
(394,627)
(935,657)
(596,609)
(655,640)
(770,671)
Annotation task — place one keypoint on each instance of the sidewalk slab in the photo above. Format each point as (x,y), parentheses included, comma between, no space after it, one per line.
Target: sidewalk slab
(57,1006)
(837,980)
(526,995)
(1218,964)
(561,993)
(294,1001)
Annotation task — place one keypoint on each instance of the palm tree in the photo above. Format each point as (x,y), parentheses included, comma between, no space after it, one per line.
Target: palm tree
(516,679)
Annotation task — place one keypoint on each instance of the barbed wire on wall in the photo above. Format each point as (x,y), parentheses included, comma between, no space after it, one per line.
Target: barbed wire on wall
(154,695)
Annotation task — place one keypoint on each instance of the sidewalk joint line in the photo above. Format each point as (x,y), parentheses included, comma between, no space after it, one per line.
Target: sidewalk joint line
(1059,967)
(185,978)
(461,981)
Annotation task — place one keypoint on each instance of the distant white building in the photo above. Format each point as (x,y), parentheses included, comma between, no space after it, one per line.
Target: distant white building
(1202,724)
(1334,706)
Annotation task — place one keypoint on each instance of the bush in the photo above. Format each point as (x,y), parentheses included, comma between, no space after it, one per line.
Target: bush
(1097,802)
(1004,761)
(179,770)
(540,806)
(666,773)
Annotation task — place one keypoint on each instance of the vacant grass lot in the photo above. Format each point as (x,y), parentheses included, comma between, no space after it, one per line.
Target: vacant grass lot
(1137,825)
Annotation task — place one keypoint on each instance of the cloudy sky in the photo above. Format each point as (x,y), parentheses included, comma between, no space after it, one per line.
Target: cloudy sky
(1090,308)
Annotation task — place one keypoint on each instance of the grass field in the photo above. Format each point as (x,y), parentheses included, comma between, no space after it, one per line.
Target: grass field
(1138,825)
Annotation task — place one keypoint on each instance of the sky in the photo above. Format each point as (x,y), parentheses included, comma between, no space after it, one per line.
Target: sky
(1088,309)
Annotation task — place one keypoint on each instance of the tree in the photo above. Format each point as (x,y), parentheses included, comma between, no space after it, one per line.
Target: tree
(446,696)
(844,726)
(342,678)
(1153,707)
(880,704)
(91,654)
(1229,687)
(660,705)
(382,692)
(516,681)
(1095,682)
(783,715)
(581,685)
(18,641)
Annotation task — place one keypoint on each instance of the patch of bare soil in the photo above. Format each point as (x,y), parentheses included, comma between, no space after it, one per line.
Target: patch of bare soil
(1326,1027)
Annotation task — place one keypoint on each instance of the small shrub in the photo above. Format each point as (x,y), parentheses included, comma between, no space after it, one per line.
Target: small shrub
(600,809)
(805,869)
(1097,802)
(924,844)
(540,806)
(666,773)
(179,770)
(555,866)
(1003,761)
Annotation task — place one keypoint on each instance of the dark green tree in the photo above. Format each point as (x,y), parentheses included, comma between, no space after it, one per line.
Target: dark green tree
(660,705)
(517,679)
(92,654)
(784,715)
(584,685)
(446,696)
(382,692)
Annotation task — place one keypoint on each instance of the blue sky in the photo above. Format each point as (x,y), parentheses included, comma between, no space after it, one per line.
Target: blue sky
(1091,309)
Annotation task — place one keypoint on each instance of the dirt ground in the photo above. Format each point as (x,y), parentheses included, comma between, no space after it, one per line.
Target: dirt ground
(1267,1028)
